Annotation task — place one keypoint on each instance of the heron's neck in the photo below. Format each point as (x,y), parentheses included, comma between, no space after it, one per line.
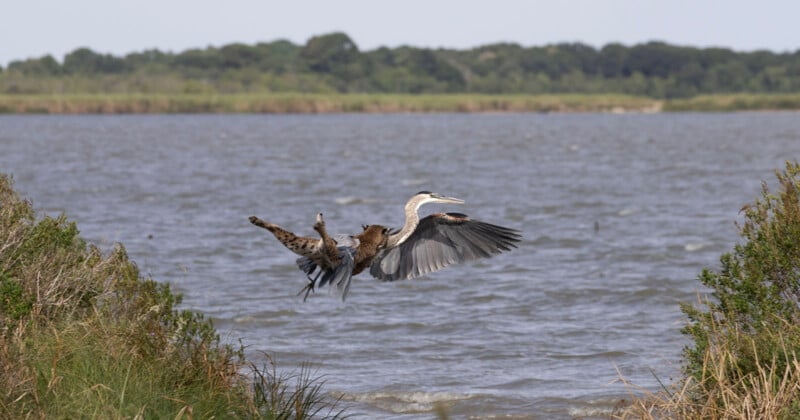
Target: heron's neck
(412,220)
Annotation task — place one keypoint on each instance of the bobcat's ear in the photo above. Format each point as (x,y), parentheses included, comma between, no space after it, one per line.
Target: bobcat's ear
(364,227)
(386,231)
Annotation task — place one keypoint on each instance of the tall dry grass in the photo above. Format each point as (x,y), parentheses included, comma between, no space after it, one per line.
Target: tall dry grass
(725,391)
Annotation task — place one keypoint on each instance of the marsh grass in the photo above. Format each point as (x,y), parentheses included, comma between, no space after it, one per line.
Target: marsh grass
(84,335)
(295,103)
(735,102)
(292,395)
(325,103)
(726,390)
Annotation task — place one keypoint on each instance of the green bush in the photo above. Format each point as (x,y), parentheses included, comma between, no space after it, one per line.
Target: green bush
(13,302)
(753,313)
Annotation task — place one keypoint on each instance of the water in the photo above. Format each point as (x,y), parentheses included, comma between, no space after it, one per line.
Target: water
(619,214)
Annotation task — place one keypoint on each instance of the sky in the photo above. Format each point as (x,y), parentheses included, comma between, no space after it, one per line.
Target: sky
(34,28)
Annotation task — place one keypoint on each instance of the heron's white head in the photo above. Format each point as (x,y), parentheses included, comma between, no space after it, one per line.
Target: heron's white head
(424,197)
(412,215)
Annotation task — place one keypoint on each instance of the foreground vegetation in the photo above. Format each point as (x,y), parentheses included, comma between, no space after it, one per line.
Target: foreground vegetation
(333,63)
(83,335)
(743,362)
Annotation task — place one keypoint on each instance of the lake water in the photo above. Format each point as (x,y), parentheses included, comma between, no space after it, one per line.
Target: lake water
(619,214)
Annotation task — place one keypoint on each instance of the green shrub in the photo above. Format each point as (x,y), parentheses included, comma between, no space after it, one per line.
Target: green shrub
(753,313)
(14,303)
(742,362)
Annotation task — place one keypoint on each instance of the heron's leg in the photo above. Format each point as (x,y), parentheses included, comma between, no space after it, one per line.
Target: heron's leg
(310,286)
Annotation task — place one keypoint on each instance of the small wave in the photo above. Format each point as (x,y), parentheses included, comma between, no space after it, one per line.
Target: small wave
(594,408)
(350,200)
(346,201)
(245,319)
(405,402)
(593,412)
(695,246)
(628,211)
(265,317)
(604,354)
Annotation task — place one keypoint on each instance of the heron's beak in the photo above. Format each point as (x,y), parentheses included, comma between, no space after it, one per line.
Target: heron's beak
(450,200)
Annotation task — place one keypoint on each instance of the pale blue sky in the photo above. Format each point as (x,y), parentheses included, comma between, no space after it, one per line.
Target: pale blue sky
(32,28)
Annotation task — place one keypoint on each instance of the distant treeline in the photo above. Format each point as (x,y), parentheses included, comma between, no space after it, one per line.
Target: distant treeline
(333,63)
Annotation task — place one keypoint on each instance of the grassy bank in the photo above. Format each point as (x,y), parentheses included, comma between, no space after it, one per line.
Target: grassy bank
(318,103)
(297,103)
(730,103)
(84,335)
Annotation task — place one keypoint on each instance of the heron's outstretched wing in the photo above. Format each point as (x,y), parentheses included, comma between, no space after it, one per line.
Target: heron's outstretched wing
(440,240)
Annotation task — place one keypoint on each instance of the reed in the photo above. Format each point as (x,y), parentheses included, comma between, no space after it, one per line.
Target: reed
(726,391)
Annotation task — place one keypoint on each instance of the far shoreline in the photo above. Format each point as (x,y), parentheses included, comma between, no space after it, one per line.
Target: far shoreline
(335,103)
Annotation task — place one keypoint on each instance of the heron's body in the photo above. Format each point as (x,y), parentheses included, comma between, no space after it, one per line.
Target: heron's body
(421,246)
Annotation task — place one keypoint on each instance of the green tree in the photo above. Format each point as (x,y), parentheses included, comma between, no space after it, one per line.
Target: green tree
(278,56)
(731,76)
(43,66)
(656,59)
(86,61)
(611,60)
(576,56)
(329,53)
(145,58)
(238,56)
(426,63)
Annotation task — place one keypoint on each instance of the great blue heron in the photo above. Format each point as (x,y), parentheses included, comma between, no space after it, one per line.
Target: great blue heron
(438,240)
(419,247)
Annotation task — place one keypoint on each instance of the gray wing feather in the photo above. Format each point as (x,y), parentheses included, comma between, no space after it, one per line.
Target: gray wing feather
(308,266)
(339,276)
(441,240)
